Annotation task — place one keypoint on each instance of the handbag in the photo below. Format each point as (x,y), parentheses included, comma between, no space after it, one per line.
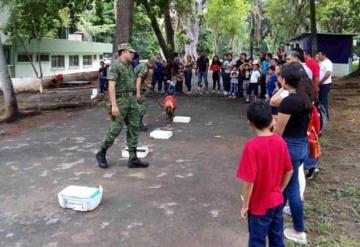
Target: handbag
(314,145)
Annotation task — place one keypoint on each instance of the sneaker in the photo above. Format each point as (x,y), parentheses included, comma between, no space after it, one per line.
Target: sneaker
(226,93)
(312,173)
(247,101)
(297,237)
(286,210)
(212,91)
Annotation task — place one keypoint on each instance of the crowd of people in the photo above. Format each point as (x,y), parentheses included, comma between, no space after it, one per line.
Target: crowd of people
(289,107)
(273,168)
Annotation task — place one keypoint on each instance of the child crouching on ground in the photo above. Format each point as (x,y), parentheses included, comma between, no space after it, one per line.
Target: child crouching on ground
(265,169)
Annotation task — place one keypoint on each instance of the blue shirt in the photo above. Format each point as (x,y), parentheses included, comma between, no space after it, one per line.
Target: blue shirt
(271,85)
(264,66)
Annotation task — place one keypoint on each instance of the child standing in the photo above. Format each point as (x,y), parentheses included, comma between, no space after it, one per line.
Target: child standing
(254,83)
(102,77)
(265,169)
(245,70)
(234,77)
(271,82)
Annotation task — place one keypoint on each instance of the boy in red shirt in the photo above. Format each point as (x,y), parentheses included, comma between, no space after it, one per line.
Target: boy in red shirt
(265,169)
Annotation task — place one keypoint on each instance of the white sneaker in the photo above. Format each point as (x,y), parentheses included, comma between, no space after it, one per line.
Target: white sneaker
(297,237)
(286,210)
(225,93)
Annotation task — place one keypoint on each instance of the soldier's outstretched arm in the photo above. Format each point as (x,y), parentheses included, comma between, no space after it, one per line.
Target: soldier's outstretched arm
(114,107)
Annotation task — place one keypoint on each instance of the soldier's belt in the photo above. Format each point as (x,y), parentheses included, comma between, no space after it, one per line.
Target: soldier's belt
(126,94)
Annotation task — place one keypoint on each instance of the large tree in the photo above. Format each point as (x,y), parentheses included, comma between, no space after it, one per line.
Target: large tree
(155,9)
(124,21)
(228,17)
(11,107)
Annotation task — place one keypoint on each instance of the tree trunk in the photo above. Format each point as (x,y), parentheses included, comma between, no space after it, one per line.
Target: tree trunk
(169,30)
(124,22)
(192,26)
(313,28)
(155,25)
(11,107)
(252,32)
(216,42)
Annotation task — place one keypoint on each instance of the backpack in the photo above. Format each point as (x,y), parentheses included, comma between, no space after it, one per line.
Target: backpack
(324,118)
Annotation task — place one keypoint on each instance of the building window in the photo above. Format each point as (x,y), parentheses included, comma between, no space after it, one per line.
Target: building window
(95,57)
(43,58)
(74,61)
(24,58)
(7,53)
(101,57)
(57,61)
(87,60)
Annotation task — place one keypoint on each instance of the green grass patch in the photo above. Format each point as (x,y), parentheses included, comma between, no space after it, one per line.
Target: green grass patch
(355,66)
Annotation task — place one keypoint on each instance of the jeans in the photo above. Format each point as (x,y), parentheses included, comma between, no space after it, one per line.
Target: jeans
(203,75)
(271,225)
(188,76)
(233,89)
(311,163)
(299,152)
(226,82)
(103,85)
(157,78)
(324,96)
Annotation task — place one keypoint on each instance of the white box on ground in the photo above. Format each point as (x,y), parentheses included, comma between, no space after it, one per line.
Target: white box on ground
(94,93)
(80,198)
(141,152)
(161,134)
(181,119)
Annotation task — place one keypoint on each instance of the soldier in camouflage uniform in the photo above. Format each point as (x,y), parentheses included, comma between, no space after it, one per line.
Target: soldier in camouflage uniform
(124,107)
(143,73)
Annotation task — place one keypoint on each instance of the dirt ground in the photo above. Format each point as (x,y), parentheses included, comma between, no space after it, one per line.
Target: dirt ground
(332,200)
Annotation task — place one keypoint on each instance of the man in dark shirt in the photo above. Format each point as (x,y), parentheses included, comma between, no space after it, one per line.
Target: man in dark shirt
(202,70)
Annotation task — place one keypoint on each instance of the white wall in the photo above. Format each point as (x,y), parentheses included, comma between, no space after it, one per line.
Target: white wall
(24,69)
(341,69)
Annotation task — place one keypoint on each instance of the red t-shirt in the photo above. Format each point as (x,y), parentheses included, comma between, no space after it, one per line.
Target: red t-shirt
(315,69)
(313,66)
(264,162)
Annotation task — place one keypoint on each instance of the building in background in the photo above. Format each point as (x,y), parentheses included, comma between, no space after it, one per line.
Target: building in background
(337,46)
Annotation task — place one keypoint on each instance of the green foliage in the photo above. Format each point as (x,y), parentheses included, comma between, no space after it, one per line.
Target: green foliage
(227,16)
(144,39)
(205,40)
(34,19)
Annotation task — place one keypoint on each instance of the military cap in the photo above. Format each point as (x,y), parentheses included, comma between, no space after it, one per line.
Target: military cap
(125,46)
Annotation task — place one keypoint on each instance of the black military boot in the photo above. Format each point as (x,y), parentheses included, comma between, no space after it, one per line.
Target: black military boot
(101,159)
(142,126)
(135,162)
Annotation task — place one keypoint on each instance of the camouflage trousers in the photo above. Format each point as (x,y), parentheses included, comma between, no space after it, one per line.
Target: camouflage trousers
(143,105)
(129,115)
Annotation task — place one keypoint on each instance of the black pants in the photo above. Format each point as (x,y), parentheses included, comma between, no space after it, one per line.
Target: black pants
(253,87)
(157,78)
(263,87)
(216,79)
(179,86)
(240,87)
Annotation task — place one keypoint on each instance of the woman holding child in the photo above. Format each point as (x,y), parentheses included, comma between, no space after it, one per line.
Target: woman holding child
(292,122)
